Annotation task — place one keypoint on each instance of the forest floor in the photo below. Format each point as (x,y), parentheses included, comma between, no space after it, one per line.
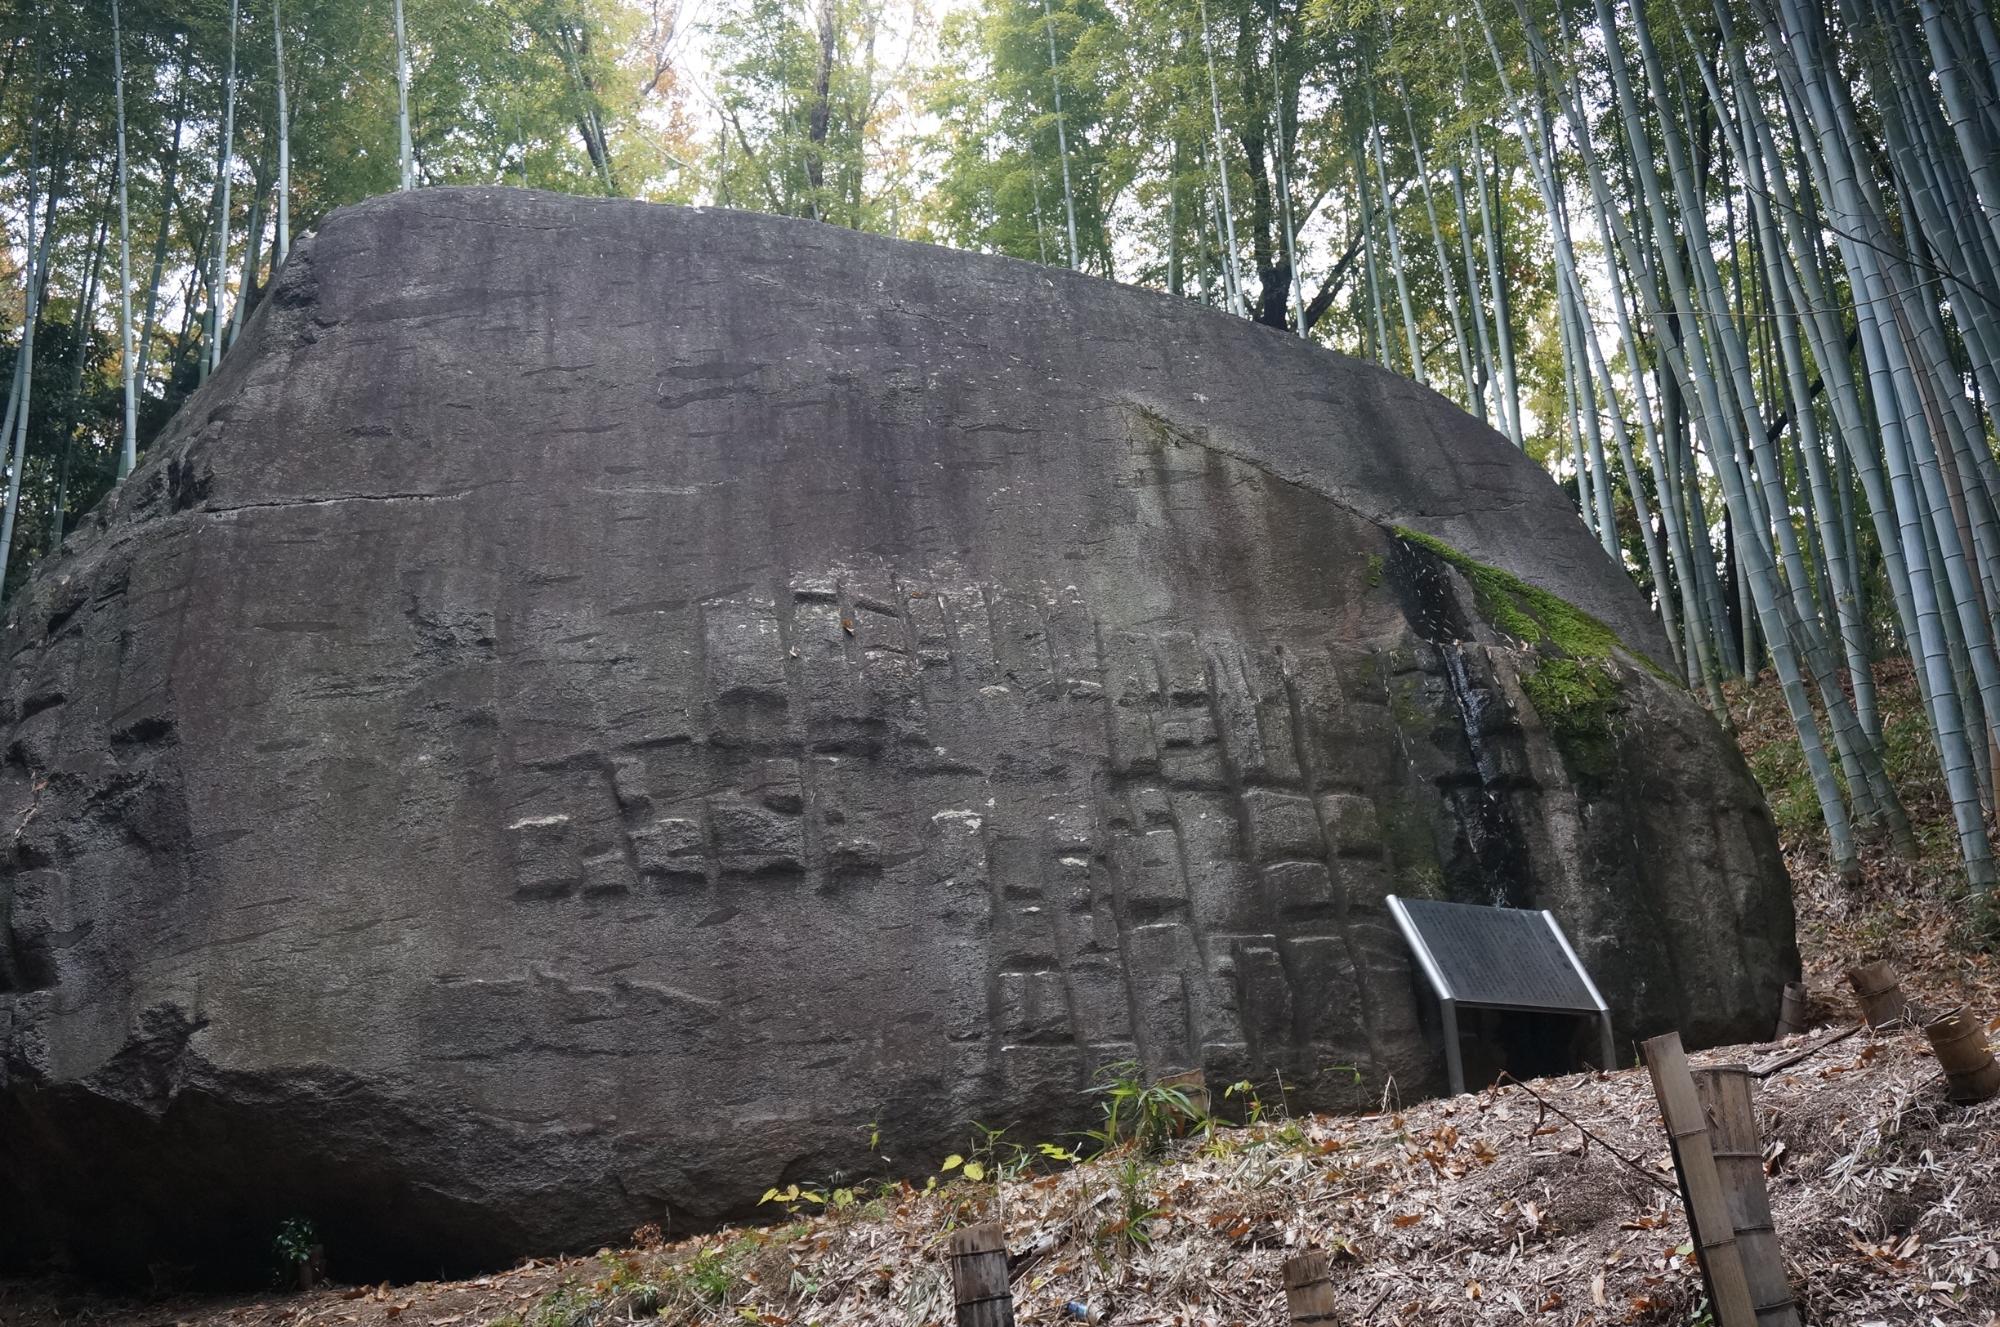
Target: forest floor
(1551,1202)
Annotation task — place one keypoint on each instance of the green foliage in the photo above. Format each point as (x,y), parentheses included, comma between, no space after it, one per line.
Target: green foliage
(1147,1115)
(837,1200)
(1001,185)
(500,93)
(1138,1205)
(639,1285)
(73,437)
(992,1155)
(804,106)
(1252,1103)
(712,1274)
(570,1305)
(294,1242)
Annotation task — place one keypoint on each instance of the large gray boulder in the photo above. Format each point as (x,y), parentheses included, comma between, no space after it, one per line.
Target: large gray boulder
(595,703)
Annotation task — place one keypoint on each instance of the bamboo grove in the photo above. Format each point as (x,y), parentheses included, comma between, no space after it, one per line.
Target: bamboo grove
(1729,268)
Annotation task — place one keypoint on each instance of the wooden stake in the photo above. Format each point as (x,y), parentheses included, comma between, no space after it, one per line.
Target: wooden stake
(1792,1009)
(979,1277)
(1725,1094)
(1708,1211)
(1970,1073)
(1880,991)
(1309,1288)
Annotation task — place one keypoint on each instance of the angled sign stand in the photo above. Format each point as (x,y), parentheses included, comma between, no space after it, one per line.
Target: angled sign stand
(1497,958)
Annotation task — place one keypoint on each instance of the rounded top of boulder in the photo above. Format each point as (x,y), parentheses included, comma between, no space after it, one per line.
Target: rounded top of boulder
(664,323)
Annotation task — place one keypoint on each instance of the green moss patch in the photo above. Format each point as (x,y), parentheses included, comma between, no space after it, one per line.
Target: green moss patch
(1569,677)
(1577,700)
(1524,611)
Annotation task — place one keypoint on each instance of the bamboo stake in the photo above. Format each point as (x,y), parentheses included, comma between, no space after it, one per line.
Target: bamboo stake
(1309,1288)
(1708,1212)
(1739,1159)
(979,1277)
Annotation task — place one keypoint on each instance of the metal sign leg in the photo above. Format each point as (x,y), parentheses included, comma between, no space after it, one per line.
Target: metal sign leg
(1454,1061)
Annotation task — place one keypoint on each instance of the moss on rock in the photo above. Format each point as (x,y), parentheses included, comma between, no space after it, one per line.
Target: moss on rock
(1578,701)
(1524,611)
(1568,677)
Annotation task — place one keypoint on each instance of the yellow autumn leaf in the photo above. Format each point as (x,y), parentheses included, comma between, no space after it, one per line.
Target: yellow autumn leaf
(974,1171)
(952,1162)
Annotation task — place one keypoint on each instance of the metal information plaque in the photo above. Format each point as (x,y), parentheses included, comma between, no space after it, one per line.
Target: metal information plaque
(1497,958)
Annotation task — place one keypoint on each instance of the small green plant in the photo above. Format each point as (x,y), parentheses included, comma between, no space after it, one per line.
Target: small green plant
(1137,1205)
(797,1200)
(710,1275)
(295,1241)
(1253,1105)
(569,1305)
(1142,1113)
(991,1155)
(301,1261)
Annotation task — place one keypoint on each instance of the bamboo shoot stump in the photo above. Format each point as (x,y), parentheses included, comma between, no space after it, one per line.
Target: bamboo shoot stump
(1958,1040)
(1792,1009)
(979,1277)
(1880,992)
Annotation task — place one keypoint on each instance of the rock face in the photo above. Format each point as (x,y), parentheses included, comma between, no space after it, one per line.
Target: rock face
(595,703)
